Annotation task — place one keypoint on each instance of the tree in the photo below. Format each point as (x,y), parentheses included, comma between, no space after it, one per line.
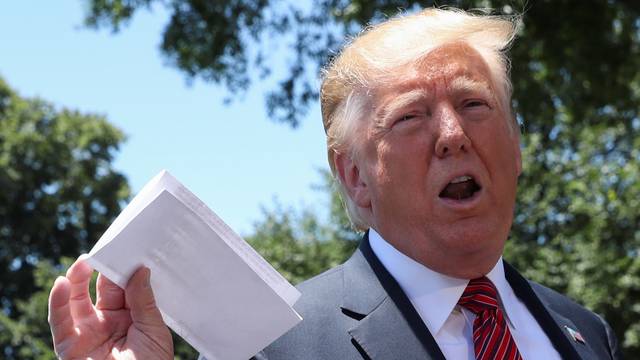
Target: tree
(590,50)
(59,193)
(299,244)
(576,92)
(28,336)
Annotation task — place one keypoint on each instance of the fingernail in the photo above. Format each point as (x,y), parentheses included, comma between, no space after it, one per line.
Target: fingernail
(147,280)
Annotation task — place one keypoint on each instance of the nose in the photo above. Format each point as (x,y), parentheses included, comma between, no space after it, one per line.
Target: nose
(451,136)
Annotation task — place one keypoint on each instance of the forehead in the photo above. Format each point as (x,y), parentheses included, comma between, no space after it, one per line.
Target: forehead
(455,65)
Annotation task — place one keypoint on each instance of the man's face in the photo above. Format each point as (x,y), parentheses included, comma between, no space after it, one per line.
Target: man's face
(437,168)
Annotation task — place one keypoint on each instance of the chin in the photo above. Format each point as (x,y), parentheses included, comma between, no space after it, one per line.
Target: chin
(477,240)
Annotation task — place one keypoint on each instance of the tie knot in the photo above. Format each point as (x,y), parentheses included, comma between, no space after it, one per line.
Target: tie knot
(480,295)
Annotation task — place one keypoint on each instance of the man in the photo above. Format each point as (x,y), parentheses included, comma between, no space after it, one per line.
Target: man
(425,148)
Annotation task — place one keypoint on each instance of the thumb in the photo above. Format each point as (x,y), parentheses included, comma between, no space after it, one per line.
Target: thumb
(139,296)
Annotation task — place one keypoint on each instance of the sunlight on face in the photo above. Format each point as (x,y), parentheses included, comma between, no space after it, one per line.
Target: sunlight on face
(439,162)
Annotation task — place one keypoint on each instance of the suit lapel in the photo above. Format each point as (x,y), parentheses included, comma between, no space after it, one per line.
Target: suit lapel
(554,324)
(389,326)
(565,324)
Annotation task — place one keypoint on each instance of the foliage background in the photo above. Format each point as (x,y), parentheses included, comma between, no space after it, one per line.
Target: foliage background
(576,93)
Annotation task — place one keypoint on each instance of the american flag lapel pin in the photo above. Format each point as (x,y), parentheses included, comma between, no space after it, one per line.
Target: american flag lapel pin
(575,335)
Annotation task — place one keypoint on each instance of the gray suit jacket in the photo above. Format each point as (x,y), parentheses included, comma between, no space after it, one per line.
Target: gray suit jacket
(358,311)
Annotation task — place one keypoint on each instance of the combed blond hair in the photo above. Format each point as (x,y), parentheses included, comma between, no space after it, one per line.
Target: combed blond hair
(370,59)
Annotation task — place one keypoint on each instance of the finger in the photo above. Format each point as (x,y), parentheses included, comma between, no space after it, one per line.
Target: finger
(109,296)
(141,301)
(60,319)
(79,275)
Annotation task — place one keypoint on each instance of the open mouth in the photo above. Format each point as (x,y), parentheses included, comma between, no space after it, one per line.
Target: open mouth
(460,188)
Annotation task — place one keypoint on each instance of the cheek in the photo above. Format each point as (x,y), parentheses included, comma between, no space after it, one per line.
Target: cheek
(404,171)
(414,147)
(384,162)
(496,140)
(508,150)
(399,163)
(502,162)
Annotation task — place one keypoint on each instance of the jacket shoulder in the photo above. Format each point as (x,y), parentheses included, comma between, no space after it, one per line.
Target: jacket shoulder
(325,289)
(323,332)
(591,325)
(566,306)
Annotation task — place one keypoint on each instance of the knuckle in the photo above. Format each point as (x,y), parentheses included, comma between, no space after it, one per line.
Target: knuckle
(79,296)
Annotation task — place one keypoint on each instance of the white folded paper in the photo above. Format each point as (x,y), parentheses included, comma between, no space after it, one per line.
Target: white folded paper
(211,287)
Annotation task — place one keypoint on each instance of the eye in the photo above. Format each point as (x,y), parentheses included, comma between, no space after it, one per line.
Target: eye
(475,103)
(406,117)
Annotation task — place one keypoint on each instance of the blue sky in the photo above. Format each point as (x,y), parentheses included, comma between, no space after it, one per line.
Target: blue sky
(233,157)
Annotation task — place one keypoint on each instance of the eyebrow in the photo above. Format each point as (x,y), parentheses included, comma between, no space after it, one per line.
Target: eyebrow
(467,85)
(398,102)
(459,85)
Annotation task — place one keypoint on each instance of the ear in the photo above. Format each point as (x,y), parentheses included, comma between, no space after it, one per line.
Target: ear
(351,178)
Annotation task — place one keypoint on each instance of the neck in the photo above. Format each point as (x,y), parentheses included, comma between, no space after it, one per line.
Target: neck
(457,264)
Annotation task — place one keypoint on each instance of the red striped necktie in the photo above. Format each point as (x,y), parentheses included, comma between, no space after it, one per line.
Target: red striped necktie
(492,339)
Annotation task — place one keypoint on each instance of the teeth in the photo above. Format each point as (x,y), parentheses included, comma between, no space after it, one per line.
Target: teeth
(460,179)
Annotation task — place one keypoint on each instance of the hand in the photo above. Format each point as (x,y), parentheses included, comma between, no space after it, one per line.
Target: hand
(123,324)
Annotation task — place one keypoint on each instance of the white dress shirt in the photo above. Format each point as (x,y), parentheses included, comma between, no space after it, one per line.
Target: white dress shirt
(435,297)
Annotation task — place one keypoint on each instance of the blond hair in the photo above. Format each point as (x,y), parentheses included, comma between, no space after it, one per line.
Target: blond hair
(369,61)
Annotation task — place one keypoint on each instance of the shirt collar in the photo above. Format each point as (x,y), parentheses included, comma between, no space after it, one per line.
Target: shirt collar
(507,298)
(433,294)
